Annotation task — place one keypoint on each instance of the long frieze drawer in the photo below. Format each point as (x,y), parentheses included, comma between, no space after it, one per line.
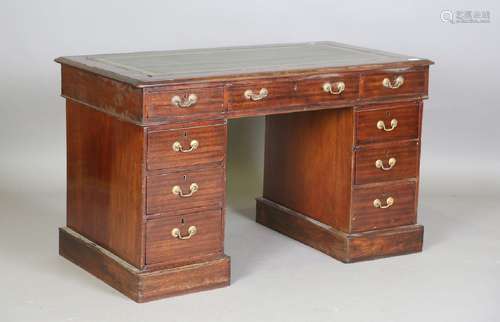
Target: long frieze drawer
(186,147)
(261,95)
(393,83)
(185,190)
(328,89)
(400,121)
(383,206)
(385,162)
(161,104)
(184,238)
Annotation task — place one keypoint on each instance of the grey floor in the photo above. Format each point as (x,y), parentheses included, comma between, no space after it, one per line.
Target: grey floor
(456,277)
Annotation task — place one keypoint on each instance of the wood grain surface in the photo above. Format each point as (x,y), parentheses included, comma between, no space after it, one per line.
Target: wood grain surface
(310,90)
(308,163)
(406,154)
(105,183)
(142,286)
(366,217)
(280,94)
(371,85)
(159,106)
(345,247)
(113,97)
(407,115)
(211,148)
(386,242)
(210,181)
(162,247)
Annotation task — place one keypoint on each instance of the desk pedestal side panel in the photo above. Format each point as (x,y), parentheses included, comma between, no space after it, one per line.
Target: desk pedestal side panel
(105,194)
(308,163)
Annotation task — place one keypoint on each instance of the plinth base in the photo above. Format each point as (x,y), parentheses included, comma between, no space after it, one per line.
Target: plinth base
(337,244)
(141,286)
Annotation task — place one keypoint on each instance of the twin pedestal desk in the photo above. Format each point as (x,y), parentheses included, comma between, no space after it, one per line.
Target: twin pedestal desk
(146,157)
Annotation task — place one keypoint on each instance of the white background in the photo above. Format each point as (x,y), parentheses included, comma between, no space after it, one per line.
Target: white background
(456,278)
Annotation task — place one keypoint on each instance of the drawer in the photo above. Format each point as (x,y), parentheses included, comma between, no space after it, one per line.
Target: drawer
(372,208)
(185,190)
(162,104)
(186,147)
(394,83)
(375,163)
(261,95)
(328,89)
(388,122)
(184,238)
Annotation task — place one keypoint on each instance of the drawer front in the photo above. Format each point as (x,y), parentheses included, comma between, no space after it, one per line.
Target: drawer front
(174,240)
(185,190)
(372,209)
(328,89)
(375,163)
(186,147)
(388,122)
(261,95)
(182,102)
(393,84)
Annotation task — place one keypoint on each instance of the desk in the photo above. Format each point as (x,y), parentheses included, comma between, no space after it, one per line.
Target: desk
(146,152)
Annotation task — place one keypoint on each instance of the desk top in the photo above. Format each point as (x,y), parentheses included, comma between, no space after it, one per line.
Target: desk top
(161,67)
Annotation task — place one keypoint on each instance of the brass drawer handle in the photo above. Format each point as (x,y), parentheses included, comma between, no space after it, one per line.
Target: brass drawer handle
(177,146)
(176,232)
(388,202)
(379,164)
(250,95)
(398,82)
(381,125)
(335,88)
(190,101)
(177,190)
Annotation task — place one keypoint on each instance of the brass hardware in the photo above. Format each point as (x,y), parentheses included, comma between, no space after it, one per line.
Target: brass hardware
(177,190)
(379,164)
(177,146)
(190,101)
(250,95)
(176,233)
(335,88)
(398,82)
(388,202)
(381,125)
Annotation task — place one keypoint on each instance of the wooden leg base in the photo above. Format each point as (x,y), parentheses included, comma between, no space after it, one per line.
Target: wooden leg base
(342,246)
(141,286)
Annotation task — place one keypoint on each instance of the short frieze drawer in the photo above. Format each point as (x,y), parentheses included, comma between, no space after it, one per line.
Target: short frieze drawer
(162,104)
(394,83)
(261,96)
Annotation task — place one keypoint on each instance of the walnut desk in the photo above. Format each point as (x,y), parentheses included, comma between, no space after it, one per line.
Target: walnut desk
(146,152)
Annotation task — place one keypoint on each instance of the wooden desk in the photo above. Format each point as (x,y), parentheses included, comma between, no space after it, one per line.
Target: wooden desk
(146,142)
